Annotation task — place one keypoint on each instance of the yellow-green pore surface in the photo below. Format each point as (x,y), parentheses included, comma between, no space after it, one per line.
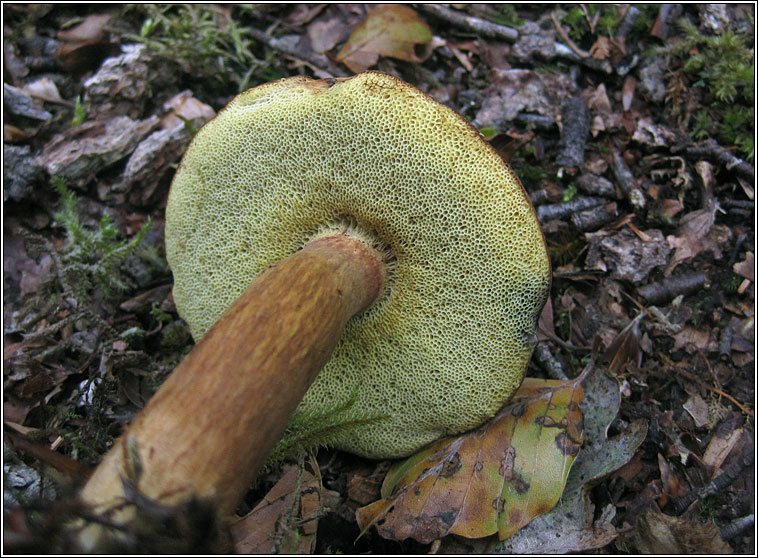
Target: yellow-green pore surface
(448,341)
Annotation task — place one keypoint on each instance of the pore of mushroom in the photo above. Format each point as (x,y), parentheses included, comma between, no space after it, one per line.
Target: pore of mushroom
(450,342)
(373,166)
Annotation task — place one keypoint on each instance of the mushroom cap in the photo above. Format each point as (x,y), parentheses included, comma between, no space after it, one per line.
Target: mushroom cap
(448,341)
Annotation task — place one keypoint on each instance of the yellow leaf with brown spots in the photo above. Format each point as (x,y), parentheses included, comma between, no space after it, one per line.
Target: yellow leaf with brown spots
(494,479)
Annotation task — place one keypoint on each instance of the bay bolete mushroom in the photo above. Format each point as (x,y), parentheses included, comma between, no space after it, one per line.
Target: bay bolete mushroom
(309,205)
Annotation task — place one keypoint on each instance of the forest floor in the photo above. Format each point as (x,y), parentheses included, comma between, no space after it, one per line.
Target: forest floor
(631,128)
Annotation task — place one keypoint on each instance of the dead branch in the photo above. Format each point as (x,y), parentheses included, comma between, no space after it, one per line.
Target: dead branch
(560,210)
(548,362)
(718,484)
(713,152)
(469,23)
(594,218)
(668,289)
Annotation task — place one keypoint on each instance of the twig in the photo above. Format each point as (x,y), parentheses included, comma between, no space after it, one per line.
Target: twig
(718,484)
(672,287)
(626,181)
(725,342)
(594,218)
(713,152)
(574,132)
(548,362)
(565,37)
(280,45)
(479,26)
(741,204)
(734,528)
(627,23)
(694,378)
(565,344)
(560,210)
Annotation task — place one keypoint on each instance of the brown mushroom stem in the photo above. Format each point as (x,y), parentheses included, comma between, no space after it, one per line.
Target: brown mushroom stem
(209,428)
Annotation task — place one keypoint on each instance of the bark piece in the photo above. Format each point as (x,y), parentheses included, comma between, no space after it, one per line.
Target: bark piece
(79,153)
(625,255)
(120,86)
(574,133)
(20,170)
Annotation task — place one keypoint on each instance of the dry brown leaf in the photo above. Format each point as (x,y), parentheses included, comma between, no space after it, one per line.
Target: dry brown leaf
(669,207)
(84,46)
(304,13)
(46,90)
(601,49)
(598,100)
(272,526)
(746,268)
(697,233)
(627,94)
(719,448)
(658,533)
(390,30)
(92,29)
(692,340)
(625,348)
(698,410)
(324,35)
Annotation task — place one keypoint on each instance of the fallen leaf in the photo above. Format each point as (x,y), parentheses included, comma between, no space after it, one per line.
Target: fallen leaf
(625,348)
(280,523)
(658,533)
(46,90)
(91,29)
(697,233)
(669,207)
(598,99)
(573,525)
(184,107)
(84,46)
(627,95)
(601,49)
(324,35)
(304,13)
(720,447)
(692,339)
(698,410)
(672,489)
(391,30)
(746,268)
(494,479)
(364,485)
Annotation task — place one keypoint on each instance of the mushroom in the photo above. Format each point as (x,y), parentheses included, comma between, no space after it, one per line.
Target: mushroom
(357,264)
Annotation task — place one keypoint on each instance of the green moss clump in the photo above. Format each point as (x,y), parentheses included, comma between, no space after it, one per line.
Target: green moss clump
(92,258)
(206,41)
(720,68)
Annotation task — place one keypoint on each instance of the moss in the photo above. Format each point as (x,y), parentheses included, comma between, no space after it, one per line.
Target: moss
(720,69)
(502,14)
(570,192)
(92,258)
(207,42)
(80,112)
(588,21)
